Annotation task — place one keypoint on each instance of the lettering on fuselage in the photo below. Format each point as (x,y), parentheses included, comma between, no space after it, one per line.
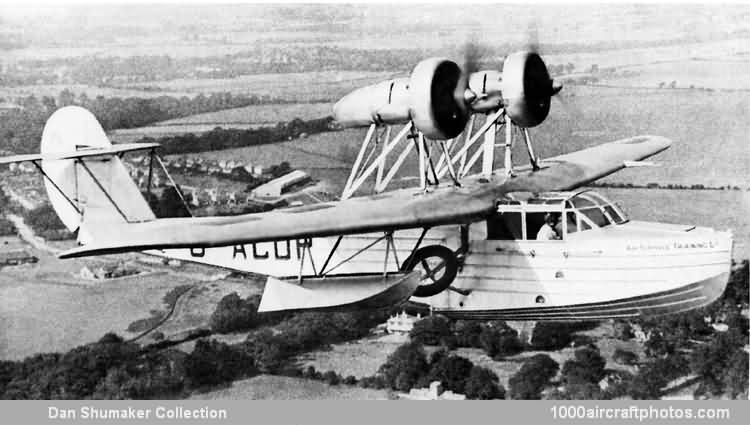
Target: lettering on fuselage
(282,250)
(701,244)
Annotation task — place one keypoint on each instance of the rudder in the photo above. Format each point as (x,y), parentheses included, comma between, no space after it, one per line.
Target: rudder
(92,194)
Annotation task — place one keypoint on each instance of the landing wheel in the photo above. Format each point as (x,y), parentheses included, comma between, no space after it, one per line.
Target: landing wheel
(438,265)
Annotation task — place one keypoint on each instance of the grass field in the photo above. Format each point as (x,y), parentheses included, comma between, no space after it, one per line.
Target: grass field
(364,357)
(303,86)
(270,387)
(726,74)
(91,91)
(709,131)
(255,114)
(44,308)
(718,209)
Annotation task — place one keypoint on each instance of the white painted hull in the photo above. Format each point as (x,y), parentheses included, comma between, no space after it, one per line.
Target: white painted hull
(625,271)
(629,270)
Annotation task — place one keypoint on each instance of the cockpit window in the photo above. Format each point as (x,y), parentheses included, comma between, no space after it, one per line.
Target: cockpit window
(596,215)
(581,202)
(572,222)
(618,219)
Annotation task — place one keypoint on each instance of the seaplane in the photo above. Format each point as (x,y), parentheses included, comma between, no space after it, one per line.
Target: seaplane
(464,242)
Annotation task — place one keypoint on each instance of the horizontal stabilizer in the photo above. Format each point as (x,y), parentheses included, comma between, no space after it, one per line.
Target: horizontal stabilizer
(338,292)
(80,153)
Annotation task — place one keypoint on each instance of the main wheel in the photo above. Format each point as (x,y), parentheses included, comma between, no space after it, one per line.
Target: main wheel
(438,265)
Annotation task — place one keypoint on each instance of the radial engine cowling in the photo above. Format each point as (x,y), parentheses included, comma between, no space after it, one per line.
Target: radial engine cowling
(433,98)
(527,89)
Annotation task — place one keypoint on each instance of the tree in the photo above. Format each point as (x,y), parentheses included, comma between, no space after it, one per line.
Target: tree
(467,333)
(624,357)
(483,384)
(404,367)
(647,383)
(577,391)
(535,373)
(233,314)
(587,367)
(267,351)
(499,340)
(550,336)
(212,362)
(431,330)
(657,345)
(451,371)
(735,378)
(711,361)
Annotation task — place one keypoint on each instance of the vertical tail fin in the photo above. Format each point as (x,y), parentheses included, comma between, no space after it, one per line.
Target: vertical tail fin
(92,194)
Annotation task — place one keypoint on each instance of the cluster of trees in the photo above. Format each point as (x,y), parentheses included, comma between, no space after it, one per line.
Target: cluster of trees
(112,368)
(107,369)
(220,138)
(496,338)
(581,376)
(669,186)
(534,375)
(682,342)
(46,223)
(6,227)
(307,331)
(233,314)
(408,367)
(21,129)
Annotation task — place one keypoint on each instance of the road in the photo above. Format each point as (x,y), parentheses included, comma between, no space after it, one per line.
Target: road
(27,234)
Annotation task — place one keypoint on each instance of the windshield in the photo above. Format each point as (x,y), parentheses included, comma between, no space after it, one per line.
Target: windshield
(596,215)
(599,211)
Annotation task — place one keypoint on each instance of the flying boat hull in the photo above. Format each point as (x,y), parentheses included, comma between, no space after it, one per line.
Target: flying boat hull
(636,269)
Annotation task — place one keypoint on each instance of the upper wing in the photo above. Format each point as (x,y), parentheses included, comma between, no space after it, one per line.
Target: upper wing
(408,208)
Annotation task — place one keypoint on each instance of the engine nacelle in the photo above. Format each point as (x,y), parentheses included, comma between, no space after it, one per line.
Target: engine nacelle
(382,103)
(485,91)
(527,89)
(439,97)
(433,98)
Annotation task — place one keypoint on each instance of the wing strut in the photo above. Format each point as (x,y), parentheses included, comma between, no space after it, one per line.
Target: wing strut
(64,195)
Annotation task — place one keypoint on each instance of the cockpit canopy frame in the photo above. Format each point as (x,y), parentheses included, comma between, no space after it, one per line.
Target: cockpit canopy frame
(523,214)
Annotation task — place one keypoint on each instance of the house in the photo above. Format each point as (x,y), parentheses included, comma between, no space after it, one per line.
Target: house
(16,257)
(281,185)
(401,323)
(435,392)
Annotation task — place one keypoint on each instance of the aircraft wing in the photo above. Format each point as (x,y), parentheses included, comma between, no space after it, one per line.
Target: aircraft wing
(401,209)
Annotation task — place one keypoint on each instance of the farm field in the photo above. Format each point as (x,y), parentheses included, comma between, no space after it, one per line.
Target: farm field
(54,90)
(721,210)
(129,135)
(247,117)
(256,114)
(580,119)
(271,387)
(65,311)
(721,73)
(302,86)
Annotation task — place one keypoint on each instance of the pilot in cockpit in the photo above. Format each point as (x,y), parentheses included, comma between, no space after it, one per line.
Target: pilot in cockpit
(548,231)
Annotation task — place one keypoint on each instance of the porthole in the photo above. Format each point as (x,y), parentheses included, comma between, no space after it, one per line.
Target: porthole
(540,299)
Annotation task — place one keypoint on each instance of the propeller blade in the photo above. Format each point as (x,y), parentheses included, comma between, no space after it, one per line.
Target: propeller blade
(556,87)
